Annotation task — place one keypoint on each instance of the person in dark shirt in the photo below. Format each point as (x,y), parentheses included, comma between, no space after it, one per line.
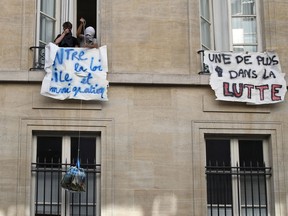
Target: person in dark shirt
(66,39)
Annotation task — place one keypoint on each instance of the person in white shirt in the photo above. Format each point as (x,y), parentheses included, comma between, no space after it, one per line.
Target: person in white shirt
(87,38)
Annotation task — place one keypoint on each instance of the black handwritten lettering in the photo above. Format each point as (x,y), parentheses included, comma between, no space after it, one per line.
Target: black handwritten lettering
(243,73)
(219,71)
(271,74)
(219,57)
(267,60)
(245,59)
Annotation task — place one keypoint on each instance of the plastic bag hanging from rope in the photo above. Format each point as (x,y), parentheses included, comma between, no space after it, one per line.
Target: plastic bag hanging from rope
(74,179)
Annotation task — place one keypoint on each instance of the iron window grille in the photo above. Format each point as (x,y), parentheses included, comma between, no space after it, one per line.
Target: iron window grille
(248,182)
(48,191)
(38,57)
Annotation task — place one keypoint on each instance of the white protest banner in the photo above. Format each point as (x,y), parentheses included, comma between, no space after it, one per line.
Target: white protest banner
(254,78)
(75,73)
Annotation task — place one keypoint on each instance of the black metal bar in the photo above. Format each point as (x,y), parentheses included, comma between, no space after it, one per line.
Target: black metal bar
(225,190)
(209,194)
(94,188)
(238,188)
(49,171)
(44,187)
(265,189)
(87,191)
(58,187)
(37,186)
(38,57)
(65,201)
(259,189)
(205,69)
(72,204)
(79,204)
(217,197)
(65,193)
(245,175)
(245,190)
(51,191)
(252,190)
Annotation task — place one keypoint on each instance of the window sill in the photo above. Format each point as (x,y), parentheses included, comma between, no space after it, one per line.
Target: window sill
(115,78)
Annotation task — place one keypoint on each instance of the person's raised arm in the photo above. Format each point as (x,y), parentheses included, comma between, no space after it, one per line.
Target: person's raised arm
(80,27)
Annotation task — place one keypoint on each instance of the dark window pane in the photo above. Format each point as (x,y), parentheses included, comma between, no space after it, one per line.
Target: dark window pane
(49,149)
(219,182)
(218,152)
(87,10)
(219,187)
(251,152)
(87,147)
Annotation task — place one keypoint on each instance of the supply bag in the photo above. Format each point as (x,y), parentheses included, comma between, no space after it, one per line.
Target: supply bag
(74,179)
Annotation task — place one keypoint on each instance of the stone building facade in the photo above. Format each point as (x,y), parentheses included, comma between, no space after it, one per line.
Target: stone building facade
(152,133)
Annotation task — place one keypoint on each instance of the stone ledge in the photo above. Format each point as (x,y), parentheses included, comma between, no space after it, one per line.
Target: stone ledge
(117,78)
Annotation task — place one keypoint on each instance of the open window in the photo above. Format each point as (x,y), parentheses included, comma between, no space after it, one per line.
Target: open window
(51,14)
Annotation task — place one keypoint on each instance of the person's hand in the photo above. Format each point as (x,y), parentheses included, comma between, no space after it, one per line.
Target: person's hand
(66,31)
(82,20)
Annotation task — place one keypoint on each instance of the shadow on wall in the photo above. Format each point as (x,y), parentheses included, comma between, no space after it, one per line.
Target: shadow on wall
(164,205)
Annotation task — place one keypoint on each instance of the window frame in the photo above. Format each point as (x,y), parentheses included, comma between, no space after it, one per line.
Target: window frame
(103,126)
(57,22)
(234,143)
(221,45)
(66,159)
(64,11)
(272,131)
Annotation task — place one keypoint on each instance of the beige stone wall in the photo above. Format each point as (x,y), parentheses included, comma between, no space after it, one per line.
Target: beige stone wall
(154,151)
(275,34)
(150,37)
(17,23)
(154,158)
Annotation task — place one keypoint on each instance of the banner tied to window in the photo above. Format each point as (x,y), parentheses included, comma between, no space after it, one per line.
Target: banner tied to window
(254,78)
(75,73)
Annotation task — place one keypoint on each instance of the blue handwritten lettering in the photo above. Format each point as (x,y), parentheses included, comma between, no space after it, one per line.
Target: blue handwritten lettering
(59,57)
(63,90)
(70,53)
(79,57)
(86,80)
(67,51)
(89,90)
(59,76)
(96,67)
(79,68)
